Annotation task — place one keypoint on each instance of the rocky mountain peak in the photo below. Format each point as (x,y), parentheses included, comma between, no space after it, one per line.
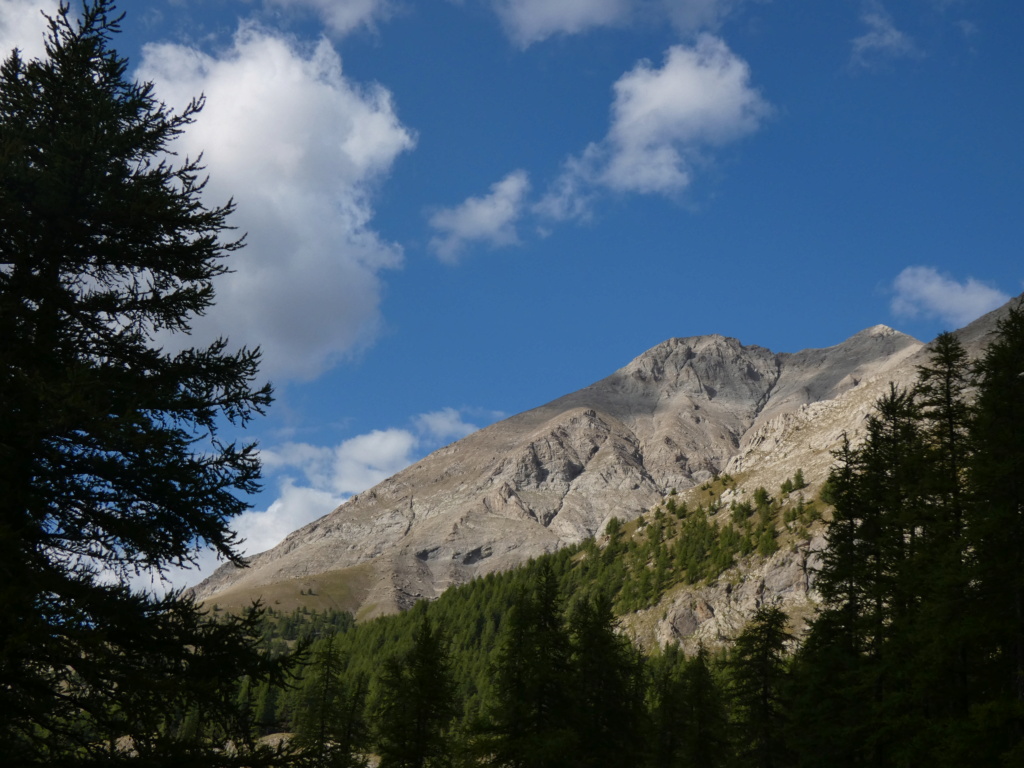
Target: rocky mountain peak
(675,416)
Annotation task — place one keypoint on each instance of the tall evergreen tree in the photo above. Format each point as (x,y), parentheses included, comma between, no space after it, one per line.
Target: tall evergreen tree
(939,642)
(758,681)
(705,725)
(606,688)
(416,704)
(996,536)
(529,715)
(868,580)
(667,708)
(688,721)
(111,462)
(330,726)
(920,567)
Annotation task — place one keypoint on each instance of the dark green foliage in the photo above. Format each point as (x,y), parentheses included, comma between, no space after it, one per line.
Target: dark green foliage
(528,720)
(415,703)
(110,460)
(995,531)
(330,726)
(688,716)
(606,688)
(757,670)
(917,655)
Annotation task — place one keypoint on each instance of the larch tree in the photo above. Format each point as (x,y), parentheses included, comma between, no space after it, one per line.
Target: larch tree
(995,532)
(112,462)
(416,703)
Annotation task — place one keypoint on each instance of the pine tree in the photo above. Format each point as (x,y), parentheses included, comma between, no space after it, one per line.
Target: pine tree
(758,675)
(705,723)
(667,708)
(416,703)
(606,688)
(110,459)
(330,726)
(939,644)
(528,717)
(995,531)
(868,580)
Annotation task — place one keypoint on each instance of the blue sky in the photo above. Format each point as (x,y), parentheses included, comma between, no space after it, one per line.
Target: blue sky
(459,210)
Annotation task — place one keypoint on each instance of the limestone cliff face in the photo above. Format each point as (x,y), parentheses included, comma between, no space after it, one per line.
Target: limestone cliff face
(675,416)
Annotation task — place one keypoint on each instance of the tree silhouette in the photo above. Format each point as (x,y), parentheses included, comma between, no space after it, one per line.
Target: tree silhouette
(111,463)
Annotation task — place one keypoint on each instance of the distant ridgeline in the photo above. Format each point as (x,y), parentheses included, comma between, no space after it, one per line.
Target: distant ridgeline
(915,656)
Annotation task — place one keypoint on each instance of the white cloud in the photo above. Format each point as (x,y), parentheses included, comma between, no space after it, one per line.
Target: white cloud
(530,21)
(343,16)
(294,507)
(923,291)
(571,194)
(662,117)
(352,466)
(300,148)
(23,26)
(663,122)
(446,424)
(490,219)
(882,40)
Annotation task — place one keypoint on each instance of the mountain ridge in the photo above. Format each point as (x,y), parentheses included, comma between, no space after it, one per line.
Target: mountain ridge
(672,418)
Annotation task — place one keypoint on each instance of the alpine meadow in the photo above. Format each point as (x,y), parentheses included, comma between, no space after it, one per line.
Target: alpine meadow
(718,556)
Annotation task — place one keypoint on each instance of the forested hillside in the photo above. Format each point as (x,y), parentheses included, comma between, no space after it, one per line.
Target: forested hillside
(916,656)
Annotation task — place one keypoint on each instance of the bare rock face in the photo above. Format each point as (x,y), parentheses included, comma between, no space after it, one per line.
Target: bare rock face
(674,417)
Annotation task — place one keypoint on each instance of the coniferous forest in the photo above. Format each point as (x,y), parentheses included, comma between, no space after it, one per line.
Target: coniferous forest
(112,464)
(914,658)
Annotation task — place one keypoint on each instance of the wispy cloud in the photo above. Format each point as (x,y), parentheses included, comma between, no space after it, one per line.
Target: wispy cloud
(923,291)
(882,41)
(698,15)
(301,148)
(531,21)
(490,219)
(342,16)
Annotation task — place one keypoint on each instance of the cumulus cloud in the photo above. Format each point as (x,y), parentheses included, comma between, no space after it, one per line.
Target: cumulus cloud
(530,21)
(300,148)
(23,26)
(882,40)
(924,291)
(490,219)
(664,121)
(342,17)
(662,117)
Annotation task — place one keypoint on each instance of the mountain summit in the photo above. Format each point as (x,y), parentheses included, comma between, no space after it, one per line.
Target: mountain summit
(676,416)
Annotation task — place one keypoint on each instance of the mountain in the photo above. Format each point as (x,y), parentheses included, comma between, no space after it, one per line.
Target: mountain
(672,419)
